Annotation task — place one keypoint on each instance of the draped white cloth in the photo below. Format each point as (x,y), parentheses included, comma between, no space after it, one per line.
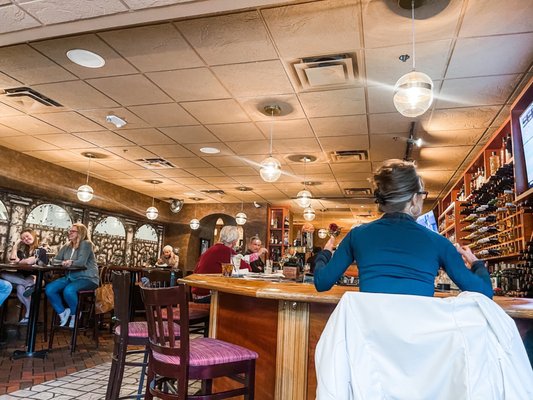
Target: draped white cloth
(382,346)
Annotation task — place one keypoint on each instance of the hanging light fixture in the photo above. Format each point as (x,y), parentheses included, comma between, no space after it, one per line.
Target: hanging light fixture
(85,192)
(241,217)
(152,212)
(309,214)
(413,93)
(322,232)
(303,198)
(270,170)
(194,223)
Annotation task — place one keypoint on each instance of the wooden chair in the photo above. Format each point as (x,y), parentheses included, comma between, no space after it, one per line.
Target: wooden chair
(126,333)
(198,313)
(182,360)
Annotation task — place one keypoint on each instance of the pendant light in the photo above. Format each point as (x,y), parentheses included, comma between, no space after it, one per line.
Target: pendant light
(241,217)
(413,93)
(303,198)
(152,212)
(194,223)
(270,170)
(322,232)
(309,214)
(85,192)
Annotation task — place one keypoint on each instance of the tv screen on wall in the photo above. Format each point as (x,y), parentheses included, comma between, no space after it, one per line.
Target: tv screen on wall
(526,129)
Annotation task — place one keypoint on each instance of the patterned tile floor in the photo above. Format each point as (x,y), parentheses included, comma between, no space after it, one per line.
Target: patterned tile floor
(62,376)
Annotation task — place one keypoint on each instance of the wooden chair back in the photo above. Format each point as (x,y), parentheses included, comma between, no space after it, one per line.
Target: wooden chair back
(121,294)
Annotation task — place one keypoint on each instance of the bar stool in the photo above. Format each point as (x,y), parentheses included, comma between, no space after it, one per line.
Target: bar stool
(126,334)
(84,318)
(184,359)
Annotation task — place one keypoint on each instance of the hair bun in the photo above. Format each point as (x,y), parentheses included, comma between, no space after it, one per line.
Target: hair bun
(380,199)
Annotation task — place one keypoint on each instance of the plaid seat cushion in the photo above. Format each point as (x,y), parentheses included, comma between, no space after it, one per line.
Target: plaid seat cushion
(139,329)
(209,351)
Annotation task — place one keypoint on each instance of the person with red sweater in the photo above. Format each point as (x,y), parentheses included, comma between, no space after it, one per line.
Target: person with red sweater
(211,261)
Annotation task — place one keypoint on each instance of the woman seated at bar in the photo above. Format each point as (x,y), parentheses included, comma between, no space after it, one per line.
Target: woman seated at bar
(253,254)
(211,261)
(26,250)
(168,258)
(78,252)
(395,254)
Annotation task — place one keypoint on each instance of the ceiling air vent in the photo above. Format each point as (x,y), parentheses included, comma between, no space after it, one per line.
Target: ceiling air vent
(155,163)
(357,191)
(330,70)
(333,210)
(27,97)
(349,155)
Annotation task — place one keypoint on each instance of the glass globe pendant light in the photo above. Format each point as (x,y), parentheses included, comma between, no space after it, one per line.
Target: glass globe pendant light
(322,232)
(241,217)
(413,93)
(152,212)
(194,223)
(85,192)
(309,214)
(303,198)
(270,170)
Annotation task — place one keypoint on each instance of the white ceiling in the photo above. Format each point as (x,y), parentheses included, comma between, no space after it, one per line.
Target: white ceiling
(183,80)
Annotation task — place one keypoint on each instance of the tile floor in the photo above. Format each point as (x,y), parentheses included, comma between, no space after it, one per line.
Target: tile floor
(89,384)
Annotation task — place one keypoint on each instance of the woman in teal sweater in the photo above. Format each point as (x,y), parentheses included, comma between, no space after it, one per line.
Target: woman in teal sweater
(78,253)
(395,254)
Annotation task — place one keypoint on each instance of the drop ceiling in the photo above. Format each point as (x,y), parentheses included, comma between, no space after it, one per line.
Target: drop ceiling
(193,74)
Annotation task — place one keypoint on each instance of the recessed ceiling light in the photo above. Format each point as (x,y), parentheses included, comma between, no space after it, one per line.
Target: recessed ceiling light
(210,150)
(85,58)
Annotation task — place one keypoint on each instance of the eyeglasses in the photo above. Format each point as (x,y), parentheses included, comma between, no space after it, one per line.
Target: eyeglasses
(73,231)
(423,194)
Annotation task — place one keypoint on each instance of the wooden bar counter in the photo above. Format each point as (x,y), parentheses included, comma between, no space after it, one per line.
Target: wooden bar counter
(282,321)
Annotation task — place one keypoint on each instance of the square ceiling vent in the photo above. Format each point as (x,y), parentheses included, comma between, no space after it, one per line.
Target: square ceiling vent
(323,71)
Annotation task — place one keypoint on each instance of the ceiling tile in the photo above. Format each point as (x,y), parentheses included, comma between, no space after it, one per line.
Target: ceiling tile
(153,48)
(247,147)
(495,55)
(462,118)
(195,148)
(130,90)
(7,111)
(29,125)
(76,95)
(53,156)
(8,82)
(340,126)
(239,171)
(488,90)
(186,162)
(226,161)
(6,131)
(159,115)
(131,152)
(27,144)
(216,111)
(69,121)
(356,142)
(442,158)
(14,19)
(260,78)
(315,29)
(302,145)
(388,123)
(511,16)
(351,167)
(56,49)
(229,38)
(189,84)
(232,132)
(334,102)
(58,11)
(384,147)
(146,136)
(104,139)
(174,173)
(30,67)
(466,137)
(289,104)
(121,165)
(82,166)
(66,141)
(286,129)
(189,134)
(174,150)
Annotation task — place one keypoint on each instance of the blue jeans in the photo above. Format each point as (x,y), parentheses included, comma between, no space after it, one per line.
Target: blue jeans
(5,290)
(69,289)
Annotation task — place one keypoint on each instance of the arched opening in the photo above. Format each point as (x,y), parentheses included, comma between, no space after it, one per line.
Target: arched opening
(145,246)
(109,238)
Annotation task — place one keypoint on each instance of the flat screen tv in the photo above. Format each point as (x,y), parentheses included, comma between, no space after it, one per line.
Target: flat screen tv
(428,220)
(522,133)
